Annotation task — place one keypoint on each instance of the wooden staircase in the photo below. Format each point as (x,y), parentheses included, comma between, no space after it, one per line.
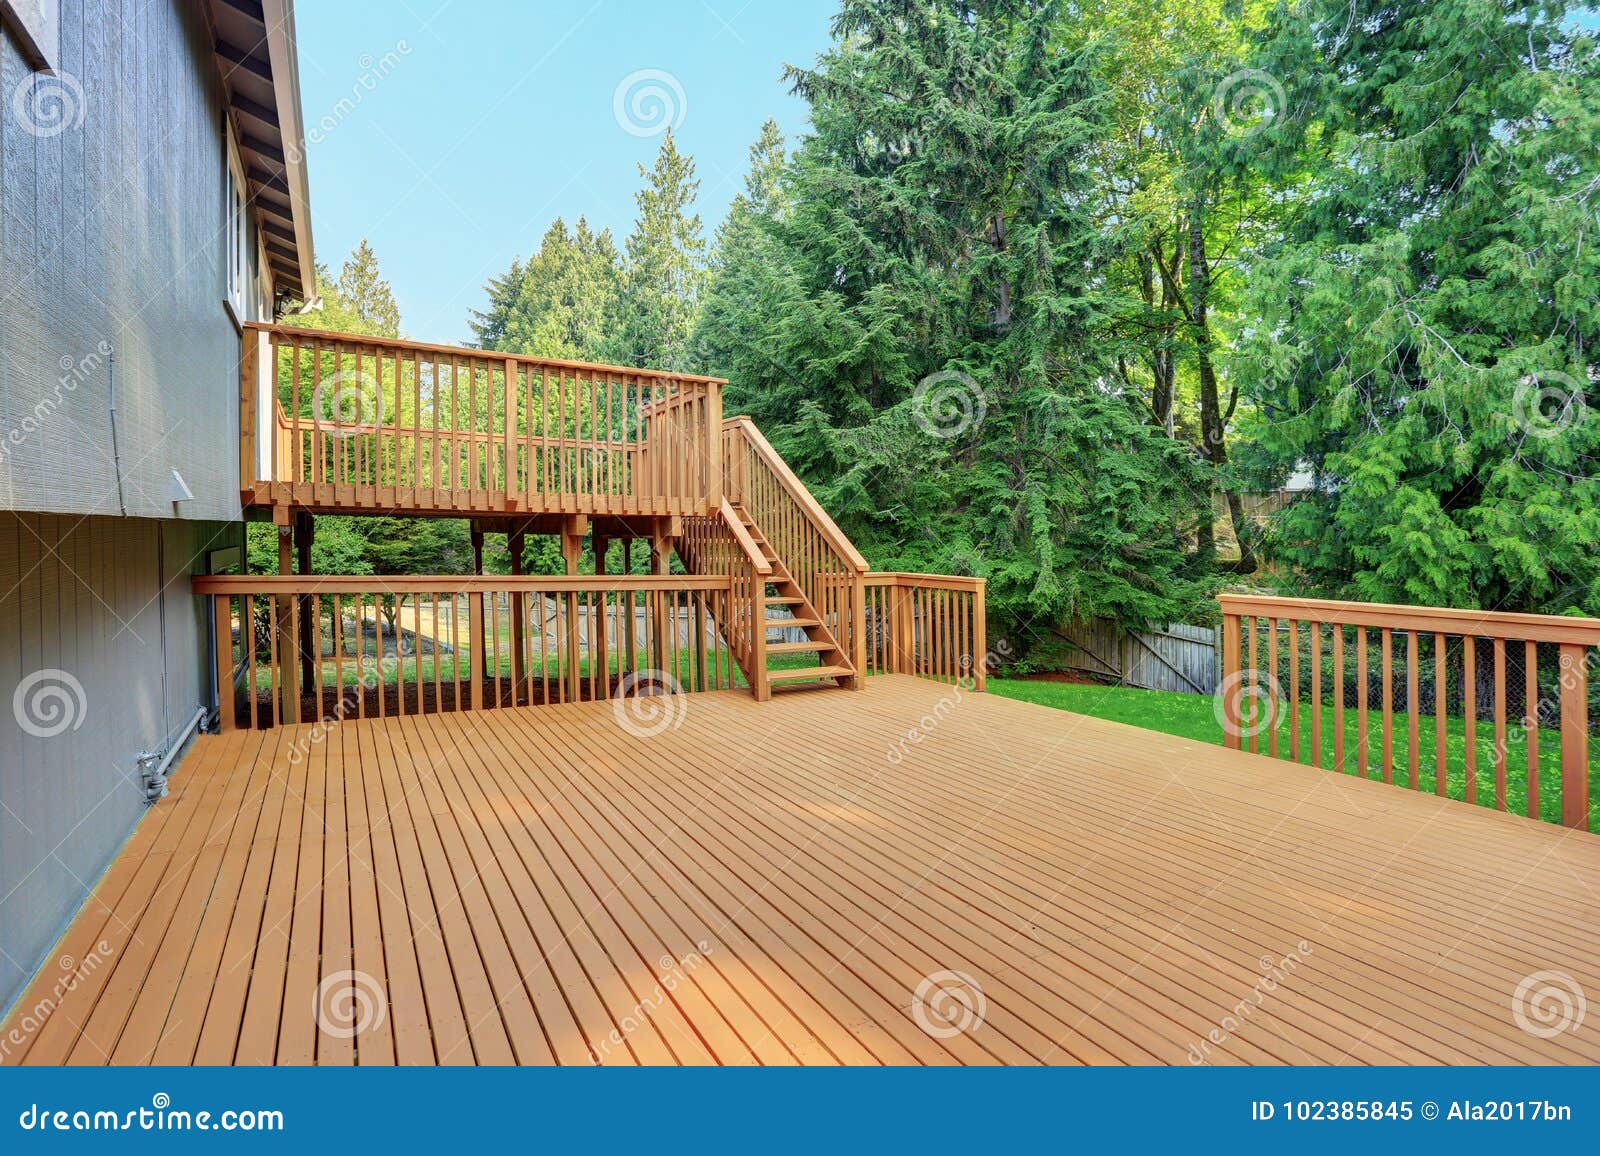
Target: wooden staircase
(787,608)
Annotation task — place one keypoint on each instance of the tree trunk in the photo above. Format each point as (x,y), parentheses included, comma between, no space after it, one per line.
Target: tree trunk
(1213,424)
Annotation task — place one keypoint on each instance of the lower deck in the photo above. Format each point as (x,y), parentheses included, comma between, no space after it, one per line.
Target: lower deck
(909,874)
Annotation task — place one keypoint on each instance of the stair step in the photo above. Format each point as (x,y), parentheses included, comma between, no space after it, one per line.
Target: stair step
(784,599)
(785,623)
(805,647)
(803,672)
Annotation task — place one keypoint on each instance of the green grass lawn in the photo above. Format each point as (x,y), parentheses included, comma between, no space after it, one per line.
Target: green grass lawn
(1193,716)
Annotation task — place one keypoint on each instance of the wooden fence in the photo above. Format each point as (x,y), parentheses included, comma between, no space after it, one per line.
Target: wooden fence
(1292,665)
(1178,657)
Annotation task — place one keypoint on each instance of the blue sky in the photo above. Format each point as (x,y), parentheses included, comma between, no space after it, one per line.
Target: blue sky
(452,132)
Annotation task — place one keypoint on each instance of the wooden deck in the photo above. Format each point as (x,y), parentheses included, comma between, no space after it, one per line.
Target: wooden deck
(772,883)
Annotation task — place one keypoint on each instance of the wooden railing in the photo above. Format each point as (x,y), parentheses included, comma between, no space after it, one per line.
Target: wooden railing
(719,545)
(331,421)
(928,625)
(1484,683)
(307,649)
(815,552)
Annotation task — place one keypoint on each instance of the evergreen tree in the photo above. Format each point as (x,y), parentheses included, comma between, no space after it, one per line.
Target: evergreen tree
(1426,328)
(360,301)
(664,267)
(742,257)
(931,323)
(562,302)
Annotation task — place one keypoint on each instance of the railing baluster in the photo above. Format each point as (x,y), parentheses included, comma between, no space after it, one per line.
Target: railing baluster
(1530,722)
(1469,700)
(1338,698)
(1574,674)
(1363,744)
(1413,710)
(1441,695)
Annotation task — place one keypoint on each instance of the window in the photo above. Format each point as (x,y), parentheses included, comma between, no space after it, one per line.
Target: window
(236,236)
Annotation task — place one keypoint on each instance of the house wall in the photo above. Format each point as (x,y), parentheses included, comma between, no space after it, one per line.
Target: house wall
(113,264)
(102,649)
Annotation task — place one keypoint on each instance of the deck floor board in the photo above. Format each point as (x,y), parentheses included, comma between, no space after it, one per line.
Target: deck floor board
(773,882)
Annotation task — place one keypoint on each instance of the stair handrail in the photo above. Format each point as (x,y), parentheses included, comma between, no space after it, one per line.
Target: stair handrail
(797,490)
(757,559)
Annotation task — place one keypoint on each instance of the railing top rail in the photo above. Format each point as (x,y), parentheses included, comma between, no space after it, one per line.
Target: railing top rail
(746,542)
(797,490)
(930,581)
(282,584)
(1440,620)
(365,341)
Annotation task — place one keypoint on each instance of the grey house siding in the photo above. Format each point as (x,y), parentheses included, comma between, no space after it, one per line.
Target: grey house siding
(96,620)
(112,258)
(112,236)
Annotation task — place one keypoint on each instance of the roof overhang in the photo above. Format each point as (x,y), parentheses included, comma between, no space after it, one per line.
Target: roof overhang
(254,45)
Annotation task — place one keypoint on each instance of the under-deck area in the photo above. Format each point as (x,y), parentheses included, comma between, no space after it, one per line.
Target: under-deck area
(910,874)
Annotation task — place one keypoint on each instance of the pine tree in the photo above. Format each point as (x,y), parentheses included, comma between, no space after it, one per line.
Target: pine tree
(931,321)
(664,266)
(741,259)
(561,302)
(1427,328)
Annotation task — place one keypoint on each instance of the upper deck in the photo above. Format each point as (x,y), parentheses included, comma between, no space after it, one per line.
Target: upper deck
(338,423)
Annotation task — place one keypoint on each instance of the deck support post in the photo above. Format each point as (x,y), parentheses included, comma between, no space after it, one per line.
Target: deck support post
(479,659)
(630,637)
(573,528)
(980,639)
(516,542)
(288,706)
(902,628)
(1231,694)
(305,531)
(660,552)
(602,547)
